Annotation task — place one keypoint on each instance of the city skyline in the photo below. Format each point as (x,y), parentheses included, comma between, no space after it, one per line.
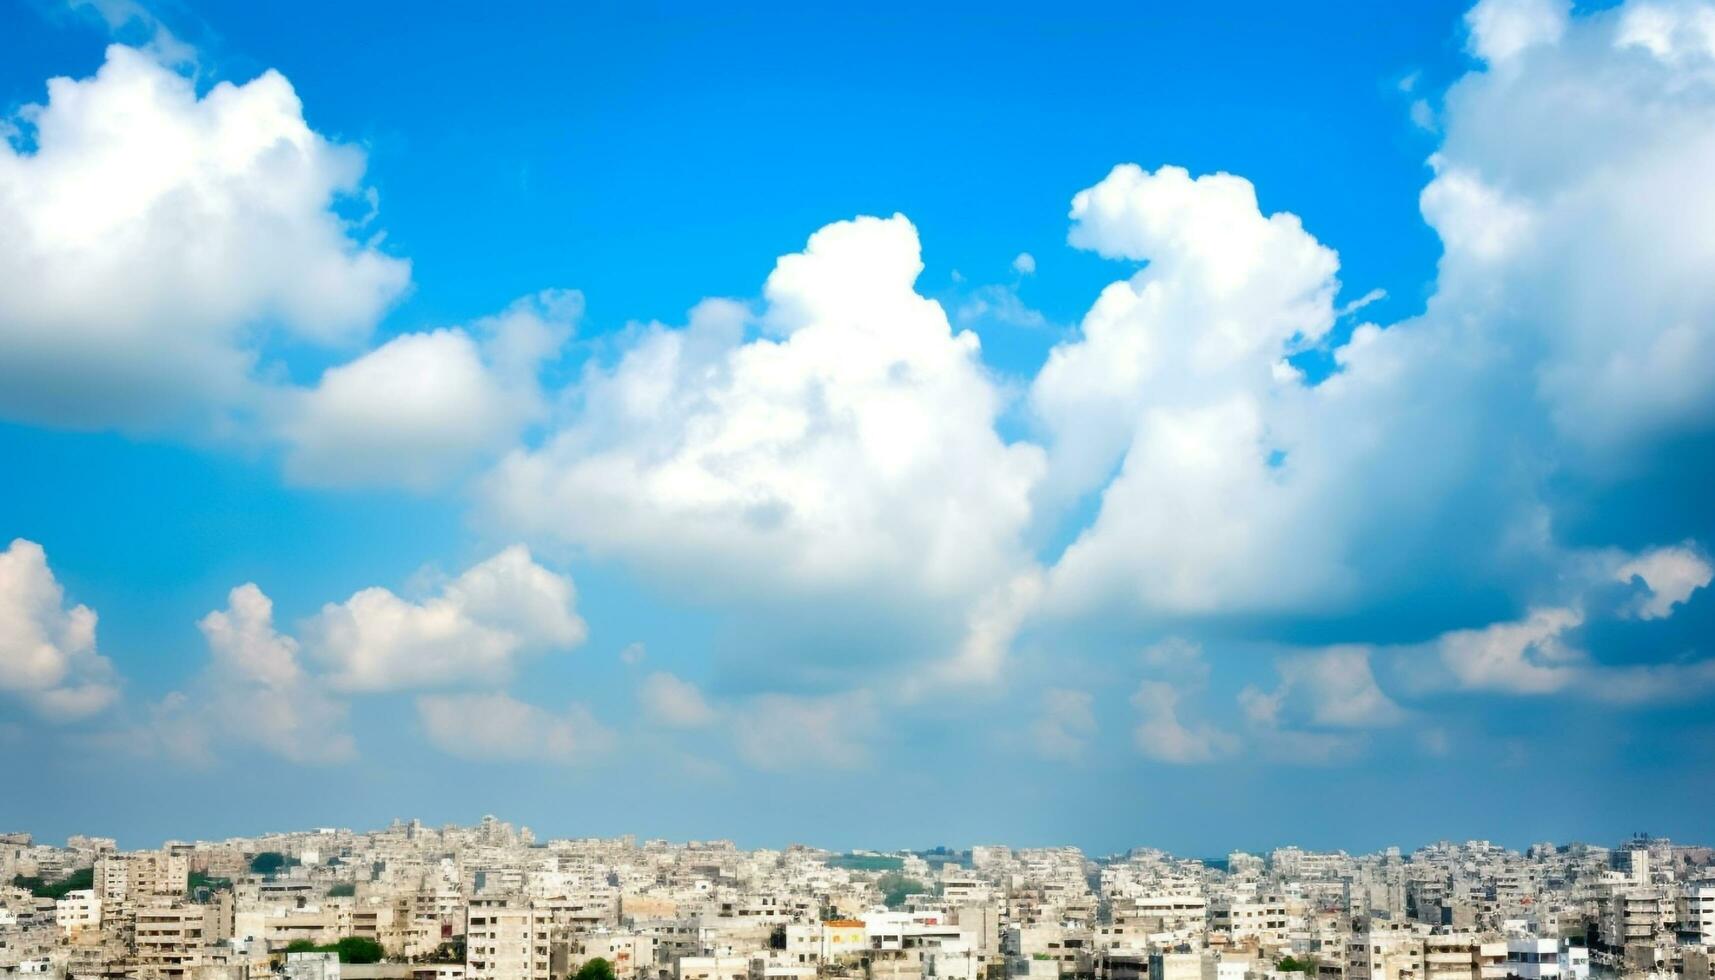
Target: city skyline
(495,901)
(1216,426)
(949,848)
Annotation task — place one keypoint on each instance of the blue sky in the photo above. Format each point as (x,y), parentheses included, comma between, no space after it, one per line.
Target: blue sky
(1294,413)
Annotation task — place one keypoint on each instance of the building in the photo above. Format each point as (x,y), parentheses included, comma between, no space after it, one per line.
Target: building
(504,941)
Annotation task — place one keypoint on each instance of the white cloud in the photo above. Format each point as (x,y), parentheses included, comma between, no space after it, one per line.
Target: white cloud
(779,732)
(1610,283)
(1024,264)
(1528,656)
(1671,575)
(156,240)
(1161,735)
(1336,688)
(472,632)
(425,406)
(1320,711)
(853,446)
(1063,729)
(1500,29)
(498,727)
(848,450)
(1226,293)
(244,643)
(990,627)
(1538,655)
(1174,377)
(633,654)
(1572,303)
(256,691)
(47,649)
(674,703)
(999,304)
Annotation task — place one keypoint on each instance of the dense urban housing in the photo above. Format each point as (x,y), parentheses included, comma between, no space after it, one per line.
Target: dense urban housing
(492,902)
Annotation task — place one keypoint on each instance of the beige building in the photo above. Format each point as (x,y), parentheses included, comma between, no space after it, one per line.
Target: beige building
(505,941)
(170,939)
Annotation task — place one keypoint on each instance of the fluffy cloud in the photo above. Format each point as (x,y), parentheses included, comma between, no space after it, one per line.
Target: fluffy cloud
(156,239)
(1571,336)
(256,691)
(425,406)
(1500,29)
(1174,376)
(1670,576)
(1542,652)
(47,649)
(498,727)
(1536,655)
(852,445)
(1334,688)
(473,631)
(673,703)
(1226,293)
(1588,141)
(849,449)
(1527,656)
(1063,729)
(778,732)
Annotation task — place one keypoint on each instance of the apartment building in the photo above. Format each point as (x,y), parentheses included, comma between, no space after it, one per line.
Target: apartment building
(169,939)
(1696,914)
(78,912)
(505,941)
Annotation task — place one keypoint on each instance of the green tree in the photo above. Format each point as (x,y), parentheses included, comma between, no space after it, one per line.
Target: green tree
(344,889)
(1288,964)
(351,949)
(894,888)
(77,880)
(357,949)
(268,863)
(596,969)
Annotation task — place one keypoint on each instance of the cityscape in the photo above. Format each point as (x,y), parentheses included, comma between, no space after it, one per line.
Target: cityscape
(965,490)
(494,902)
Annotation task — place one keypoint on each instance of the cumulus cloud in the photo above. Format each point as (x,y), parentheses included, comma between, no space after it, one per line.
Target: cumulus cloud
(157,239)
(473,631)
(1172,377)
(674,703)
(48,658)
(854,444)
(498,727)
(1500,29)
(1670,576)
(1587,147)
(847,449)
(1567,340)
(1319,712)
(256,691)
(1336,688)
(1065,725)
(425,406)
(1541,653)
(1527,656)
